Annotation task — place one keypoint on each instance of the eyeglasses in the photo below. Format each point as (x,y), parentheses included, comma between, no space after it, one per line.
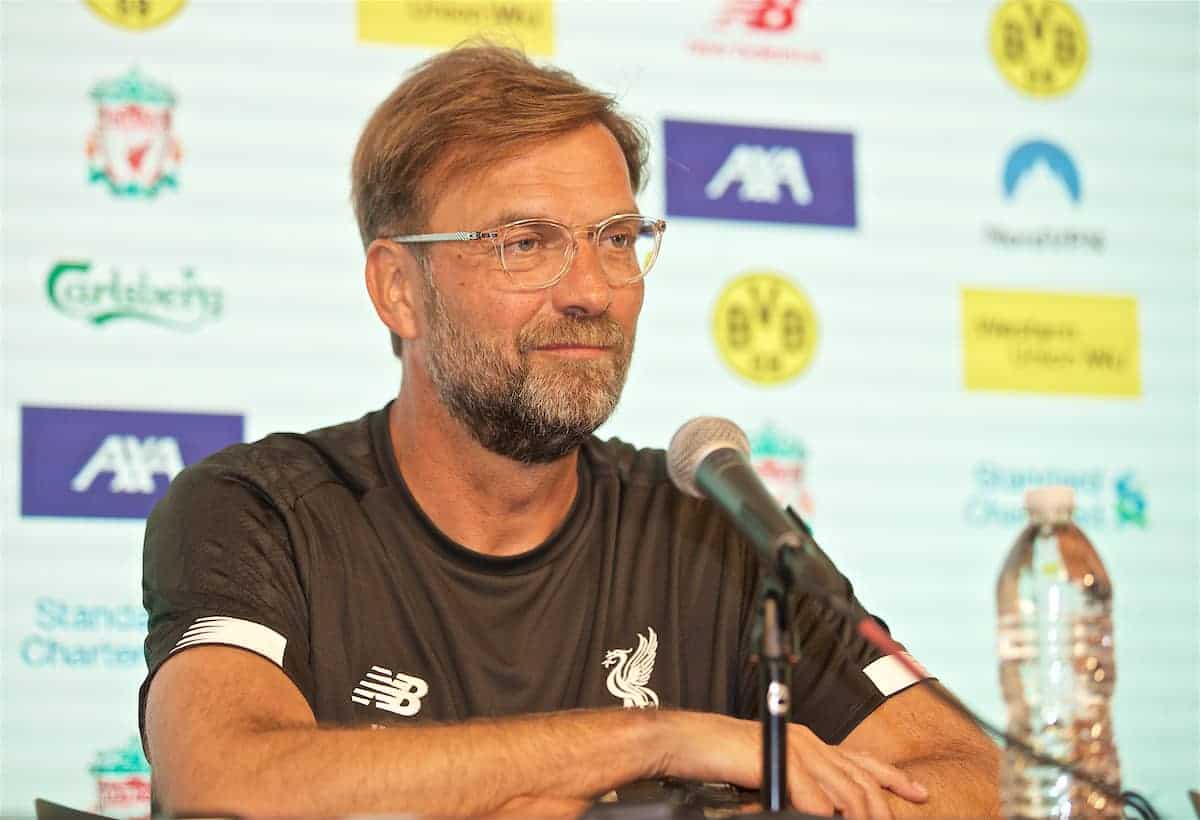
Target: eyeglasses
(536,253)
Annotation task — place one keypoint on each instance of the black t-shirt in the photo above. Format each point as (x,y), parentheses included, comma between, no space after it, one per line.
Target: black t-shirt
(310,550)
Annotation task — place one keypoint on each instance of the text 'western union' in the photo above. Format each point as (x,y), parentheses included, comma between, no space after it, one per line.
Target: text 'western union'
(448,22)
(1059,343)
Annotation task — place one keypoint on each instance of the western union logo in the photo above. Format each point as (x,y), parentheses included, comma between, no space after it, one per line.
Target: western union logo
(441,23)
(1061,343)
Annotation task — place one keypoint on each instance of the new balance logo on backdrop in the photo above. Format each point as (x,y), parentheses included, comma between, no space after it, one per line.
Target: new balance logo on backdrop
(754,30)
(760,15)
(399,694)
(111,463)
(762,174)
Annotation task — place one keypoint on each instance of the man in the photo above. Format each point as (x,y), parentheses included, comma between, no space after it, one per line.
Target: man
(533,616)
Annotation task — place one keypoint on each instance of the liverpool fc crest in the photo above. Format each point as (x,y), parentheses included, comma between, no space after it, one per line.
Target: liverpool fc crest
(132,149)
(631,670)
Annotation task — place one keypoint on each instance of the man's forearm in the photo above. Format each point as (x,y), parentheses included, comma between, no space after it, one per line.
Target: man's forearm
(461,769)
(959,785)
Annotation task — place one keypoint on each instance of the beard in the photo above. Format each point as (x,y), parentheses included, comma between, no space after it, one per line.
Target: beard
(534,412)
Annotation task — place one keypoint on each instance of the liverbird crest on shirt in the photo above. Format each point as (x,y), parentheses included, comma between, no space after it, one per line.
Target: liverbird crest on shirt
(631,672)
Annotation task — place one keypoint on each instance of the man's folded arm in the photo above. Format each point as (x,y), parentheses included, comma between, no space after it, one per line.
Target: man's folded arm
(229,733)
(924,737)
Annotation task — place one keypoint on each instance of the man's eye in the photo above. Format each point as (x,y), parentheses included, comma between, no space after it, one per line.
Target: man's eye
(523,244)
(620,241)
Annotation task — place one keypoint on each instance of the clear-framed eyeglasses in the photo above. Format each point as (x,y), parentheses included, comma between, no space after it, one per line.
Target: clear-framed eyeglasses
(536,253)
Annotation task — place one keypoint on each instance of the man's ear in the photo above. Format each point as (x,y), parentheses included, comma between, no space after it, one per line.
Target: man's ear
(393,280)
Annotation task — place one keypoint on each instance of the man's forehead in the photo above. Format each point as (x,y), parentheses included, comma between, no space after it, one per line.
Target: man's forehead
(562,178)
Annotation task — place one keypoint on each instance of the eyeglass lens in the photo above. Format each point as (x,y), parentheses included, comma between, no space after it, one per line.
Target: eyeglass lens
(534,253)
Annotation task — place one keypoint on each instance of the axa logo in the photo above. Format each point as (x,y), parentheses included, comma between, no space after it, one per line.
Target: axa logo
(133,150)
(133,463)
(630,673)
(759,15)
(1040,157)
(762,174)
(718,171)
(111,463)
(397,693)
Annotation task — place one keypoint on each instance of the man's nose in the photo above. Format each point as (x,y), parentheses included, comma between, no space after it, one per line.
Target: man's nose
(584,289)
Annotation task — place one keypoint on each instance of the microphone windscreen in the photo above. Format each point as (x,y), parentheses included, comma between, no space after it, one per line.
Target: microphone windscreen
(694,441)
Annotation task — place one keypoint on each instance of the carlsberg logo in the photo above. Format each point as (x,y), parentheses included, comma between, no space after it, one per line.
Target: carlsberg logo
(99,295)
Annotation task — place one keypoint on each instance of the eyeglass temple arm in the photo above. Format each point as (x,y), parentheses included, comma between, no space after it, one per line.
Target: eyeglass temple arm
(457,236)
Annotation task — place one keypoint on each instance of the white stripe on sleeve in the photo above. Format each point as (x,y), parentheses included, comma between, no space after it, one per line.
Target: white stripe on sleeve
(890,675)
(235,632)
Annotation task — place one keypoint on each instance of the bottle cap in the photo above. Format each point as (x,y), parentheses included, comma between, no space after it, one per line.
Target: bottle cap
(1050,505)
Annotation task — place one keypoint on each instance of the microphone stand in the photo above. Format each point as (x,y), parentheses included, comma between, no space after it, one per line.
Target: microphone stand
(775,673)
(775,676)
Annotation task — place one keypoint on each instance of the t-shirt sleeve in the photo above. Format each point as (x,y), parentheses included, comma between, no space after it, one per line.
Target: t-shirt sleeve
(839,677)
(219,568)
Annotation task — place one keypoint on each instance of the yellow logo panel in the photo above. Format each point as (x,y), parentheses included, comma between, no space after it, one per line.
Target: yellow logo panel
(1040,47)
(1061,343)
(765,329)
(136,14)
(439,23)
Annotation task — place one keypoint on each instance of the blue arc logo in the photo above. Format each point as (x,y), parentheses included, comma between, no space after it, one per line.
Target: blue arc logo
(1025,158)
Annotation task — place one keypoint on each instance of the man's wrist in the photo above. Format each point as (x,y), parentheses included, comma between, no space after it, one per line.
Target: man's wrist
(656,732)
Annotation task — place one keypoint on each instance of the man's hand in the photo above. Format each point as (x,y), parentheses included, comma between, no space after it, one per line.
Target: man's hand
(821,778)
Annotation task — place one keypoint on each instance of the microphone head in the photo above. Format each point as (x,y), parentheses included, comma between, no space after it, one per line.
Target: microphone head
(694,441)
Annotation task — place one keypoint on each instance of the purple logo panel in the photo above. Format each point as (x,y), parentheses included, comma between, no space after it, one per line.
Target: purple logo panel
(760,174)
(111,463)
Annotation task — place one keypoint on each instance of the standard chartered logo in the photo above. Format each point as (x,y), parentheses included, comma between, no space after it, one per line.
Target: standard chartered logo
(84,636)
(1131,502)
(1103,499)
(99,295)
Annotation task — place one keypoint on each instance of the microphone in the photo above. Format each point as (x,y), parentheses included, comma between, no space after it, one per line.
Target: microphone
(708,457)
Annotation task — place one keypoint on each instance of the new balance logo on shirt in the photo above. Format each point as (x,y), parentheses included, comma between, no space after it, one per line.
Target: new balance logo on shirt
(399,693)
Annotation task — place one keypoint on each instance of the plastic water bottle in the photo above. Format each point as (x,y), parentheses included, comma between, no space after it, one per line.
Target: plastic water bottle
(1054,601)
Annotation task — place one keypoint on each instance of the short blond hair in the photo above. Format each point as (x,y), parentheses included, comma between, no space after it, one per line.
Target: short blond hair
(461,111)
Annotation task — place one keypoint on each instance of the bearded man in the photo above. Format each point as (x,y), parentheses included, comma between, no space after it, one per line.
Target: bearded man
(529,617)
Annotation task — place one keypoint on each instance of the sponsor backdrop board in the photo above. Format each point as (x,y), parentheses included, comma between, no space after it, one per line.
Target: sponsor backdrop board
(927,255)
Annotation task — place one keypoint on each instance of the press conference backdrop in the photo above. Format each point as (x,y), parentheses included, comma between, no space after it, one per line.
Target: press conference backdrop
(927,255)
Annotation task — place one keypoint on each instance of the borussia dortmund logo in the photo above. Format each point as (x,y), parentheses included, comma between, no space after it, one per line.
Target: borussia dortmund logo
(136,14)
(133,150)
(765,328)
(1040,46)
